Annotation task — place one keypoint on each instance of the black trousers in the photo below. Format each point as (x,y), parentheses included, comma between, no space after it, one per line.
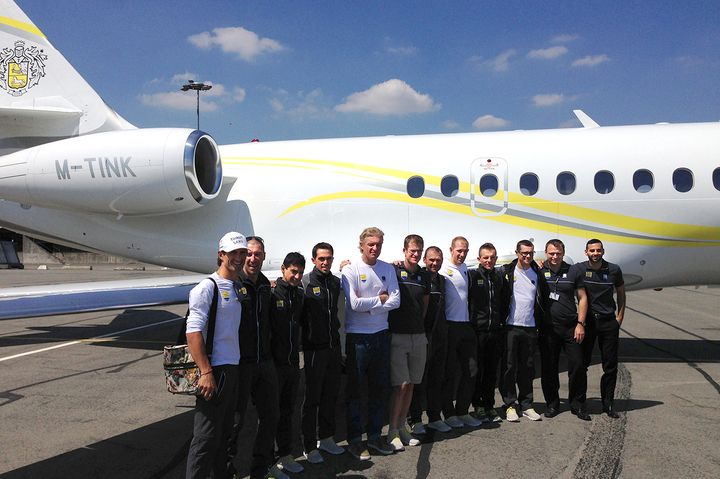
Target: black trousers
(552,341)
(322,385)
(519,366)
(428,394)
(607,332)
(490,350)
(460,369)
(259,380)
(212,426)
(288,382)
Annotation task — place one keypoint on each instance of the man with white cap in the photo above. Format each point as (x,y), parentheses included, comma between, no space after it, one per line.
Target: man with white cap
(218,362)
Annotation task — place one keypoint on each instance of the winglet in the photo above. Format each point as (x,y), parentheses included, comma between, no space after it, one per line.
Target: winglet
(586,121)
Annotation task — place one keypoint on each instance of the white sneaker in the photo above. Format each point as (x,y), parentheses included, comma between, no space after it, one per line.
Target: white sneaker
(418,428)
(511,415)
(329,445)
(439,426)
(276,473)
(454,422)
(288,463)
(468,420)
(532,415)
(408,438)
(395,442)
(314,457)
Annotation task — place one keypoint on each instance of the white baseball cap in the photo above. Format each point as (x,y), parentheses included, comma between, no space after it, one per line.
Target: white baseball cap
(232,241)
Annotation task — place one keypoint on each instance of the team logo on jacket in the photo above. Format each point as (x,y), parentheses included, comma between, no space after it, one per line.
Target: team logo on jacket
(316,290)
(363,278)
(279,303)
(449,272)
(588,274)
(480,282)
(547,274)
(403,275)
(225,295)
(21,68)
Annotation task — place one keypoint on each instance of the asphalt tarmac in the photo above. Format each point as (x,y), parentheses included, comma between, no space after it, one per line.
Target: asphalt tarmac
(83,395)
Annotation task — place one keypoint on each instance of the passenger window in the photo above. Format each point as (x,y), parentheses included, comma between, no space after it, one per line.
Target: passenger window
(489,185)
(565,183)
(415,186)
(716,178)
(450,185)
(604,182)
(682,180)
(529,184)
(643,181)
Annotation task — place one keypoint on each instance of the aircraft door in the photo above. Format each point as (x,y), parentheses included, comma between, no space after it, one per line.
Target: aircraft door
(489,189)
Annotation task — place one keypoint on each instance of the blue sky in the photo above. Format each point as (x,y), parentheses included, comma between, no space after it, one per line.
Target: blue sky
(316,69)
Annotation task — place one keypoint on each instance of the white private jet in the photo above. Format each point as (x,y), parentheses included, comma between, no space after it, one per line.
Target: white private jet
(72,171)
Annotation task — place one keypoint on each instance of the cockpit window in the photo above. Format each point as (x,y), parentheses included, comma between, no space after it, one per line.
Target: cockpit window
(643,181)
(415,186)
(716,178)
(450,185)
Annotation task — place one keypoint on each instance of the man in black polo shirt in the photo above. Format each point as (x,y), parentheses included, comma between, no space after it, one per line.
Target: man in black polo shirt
(603,323)
(565,329)
(258,377)
(488,311)
(408,344)
(436,331)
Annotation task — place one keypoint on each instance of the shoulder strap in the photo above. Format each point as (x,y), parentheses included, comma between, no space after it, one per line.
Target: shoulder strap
(212,315)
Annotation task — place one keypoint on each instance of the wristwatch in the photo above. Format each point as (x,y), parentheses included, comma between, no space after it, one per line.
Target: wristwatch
(582,323)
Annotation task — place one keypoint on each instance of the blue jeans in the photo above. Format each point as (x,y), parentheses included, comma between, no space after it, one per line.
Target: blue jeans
(368,359)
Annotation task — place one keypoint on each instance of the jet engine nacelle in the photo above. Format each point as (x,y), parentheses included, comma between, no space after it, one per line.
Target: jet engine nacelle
(128,172)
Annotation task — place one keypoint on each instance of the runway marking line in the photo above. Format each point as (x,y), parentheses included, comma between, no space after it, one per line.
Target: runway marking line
(103,337)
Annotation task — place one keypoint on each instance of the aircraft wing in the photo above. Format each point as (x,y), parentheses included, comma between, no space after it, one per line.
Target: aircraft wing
(44,300)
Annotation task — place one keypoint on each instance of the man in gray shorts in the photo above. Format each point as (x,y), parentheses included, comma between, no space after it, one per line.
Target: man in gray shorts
(408,346)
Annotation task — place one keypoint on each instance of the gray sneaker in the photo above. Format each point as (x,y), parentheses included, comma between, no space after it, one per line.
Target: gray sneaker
(314,457)
(330,446)
(380,446)
(439,426)
(418,429)
(454,422)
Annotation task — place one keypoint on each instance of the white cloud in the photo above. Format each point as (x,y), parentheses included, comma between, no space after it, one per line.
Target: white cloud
(565,38)
(402,50)
(393,97)
(176,100)
(245,44)
(239,94)
(548,99)
(300,106)
(182,78)
(277,105)
(450,125)
(591,60)
(501,63)
(548,53)
(488,122)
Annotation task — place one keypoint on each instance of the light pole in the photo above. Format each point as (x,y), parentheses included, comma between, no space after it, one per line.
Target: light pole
(198,87)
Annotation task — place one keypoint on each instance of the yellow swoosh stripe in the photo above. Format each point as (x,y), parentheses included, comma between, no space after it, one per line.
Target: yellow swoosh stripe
(507,219)
(26,27)
(611,220)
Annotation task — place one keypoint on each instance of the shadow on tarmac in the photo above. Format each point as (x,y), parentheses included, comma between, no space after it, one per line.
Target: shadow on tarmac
(159,449)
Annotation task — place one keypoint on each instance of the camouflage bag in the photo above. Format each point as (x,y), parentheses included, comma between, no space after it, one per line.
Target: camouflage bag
(181,372)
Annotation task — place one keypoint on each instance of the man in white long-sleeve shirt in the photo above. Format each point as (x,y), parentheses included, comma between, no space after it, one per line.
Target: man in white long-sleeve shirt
(371,291)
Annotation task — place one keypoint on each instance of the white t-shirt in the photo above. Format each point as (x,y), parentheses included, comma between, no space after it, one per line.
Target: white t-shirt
(362,284)
(522,303)
(456,292)
(226,344)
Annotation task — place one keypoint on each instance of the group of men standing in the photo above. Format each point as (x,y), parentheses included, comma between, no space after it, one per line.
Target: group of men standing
(418,338)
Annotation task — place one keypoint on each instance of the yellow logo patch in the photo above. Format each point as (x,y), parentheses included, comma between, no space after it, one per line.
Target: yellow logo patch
(480,282)
(316,290)
(279,303)
(363,278)
(403,274)
(449,272)
(588,274)
(225,295)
